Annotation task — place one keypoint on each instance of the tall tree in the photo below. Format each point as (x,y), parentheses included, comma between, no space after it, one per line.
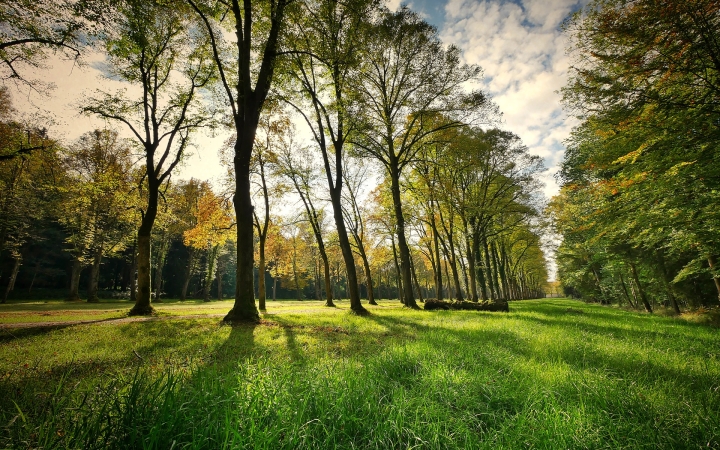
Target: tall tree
(246,68)
(411,88)
(329,42)
(157,50)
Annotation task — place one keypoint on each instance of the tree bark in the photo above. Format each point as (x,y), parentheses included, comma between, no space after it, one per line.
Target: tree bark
(142,303)
(648,308)
(404,250)
(244,309)
(74,295)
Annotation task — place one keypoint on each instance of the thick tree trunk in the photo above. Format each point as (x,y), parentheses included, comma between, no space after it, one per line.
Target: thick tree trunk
(404,250)
(13,276)
(244,309)
(648,308)
(142,303)
(74,294)
(94,278)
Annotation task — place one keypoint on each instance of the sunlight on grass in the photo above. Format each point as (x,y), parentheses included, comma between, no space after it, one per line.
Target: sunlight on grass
(550,374)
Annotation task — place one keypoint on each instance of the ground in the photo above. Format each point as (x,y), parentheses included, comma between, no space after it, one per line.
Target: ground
(548,374)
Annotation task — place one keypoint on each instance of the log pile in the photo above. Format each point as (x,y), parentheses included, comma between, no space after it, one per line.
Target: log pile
(495,306)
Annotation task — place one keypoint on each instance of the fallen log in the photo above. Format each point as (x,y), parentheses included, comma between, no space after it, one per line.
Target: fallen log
(496,306)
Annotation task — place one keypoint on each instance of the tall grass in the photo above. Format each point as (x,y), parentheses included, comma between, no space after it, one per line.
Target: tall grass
(555,374)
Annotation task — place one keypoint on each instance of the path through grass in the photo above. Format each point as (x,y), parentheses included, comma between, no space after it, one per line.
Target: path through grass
(550,374)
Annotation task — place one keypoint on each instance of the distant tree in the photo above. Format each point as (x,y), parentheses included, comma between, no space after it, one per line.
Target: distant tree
(97,206)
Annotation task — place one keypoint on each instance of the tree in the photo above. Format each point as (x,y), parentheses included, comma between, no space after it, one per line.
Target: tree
(246,78)
(96,206)
(329,42)
(32,30)
(213,230)
(157,50)
(296,165)
(644,85)
(411,89)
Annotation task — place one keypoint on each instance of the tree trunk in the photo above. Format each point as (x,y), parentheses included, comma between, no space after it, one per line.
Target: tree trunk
(133,274)
(477,267)
(397,272)
(74,295)
(368,276)
(94,278)
(142,303)
(244,309)
(13,276)
(648,308)
(262,291)
(404,250)
(210,271)
(716,278)
(488,269)
(348,258)
(625,291)
(438,274)
(471,268)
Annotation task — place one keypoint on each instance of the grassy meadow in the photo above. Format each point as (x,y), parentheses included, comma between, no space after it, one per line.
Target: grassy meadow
(549,374)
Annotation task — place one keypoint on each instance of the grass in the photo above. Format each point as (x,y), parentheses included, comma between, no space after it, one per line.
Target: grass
(550,374)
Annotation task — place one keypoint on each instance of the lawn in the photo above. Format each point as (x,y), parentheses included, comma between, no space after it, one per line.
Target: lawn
(549,374)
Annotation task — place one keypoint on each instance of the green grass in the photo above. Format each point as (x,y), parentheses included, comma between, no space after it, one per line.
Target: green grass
(550,374)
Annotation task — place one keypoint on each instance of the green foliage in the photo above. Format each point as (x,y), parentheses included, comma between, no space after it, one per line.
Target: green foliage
(641,172)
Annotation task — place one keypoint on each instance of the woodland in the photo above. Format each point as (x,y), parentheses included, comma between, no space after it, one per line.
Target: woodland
(367,173)
(637,213)
(406,188)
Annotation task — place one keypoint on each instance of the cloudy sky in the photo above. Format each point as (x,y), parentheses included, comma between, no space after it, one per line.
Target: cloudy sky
(521,49)
(518,44)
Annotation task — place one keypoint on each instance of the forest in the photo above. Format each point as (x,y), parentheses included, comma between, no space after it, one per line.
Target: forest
(405,187)
(637,213)
(372,269)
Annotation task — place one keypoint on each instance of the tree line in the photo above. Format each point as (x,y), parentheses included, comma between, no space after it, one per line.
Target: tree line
(401,185)
(637,211)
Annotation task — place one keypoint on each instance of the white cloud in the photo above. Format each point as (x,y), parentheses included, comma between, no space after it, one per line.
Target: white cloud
(522,52)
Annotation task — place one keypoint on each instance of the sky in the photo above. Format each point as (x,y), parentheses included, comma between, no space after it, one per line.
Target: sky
(518,44)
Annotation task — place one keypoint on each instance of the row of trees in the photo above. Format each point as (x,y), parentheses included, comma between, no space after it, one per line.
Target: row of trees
(638,208)
(369,83)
